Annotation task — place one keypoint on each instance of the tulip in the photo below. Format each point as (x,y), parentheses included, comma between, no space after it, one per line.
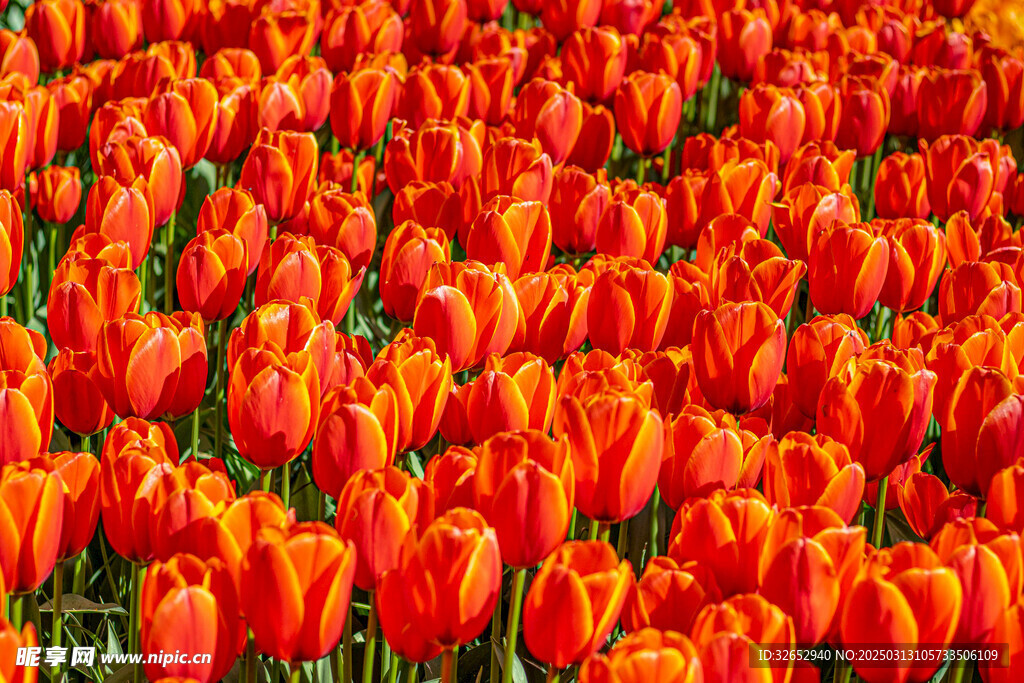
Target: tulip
(236,126)
(550,113)
(928,505)
(116,28)
(11,642)
(58,193)
(377,509)
(451,476)
(773,114)
(11,242)
(961,174)
(950,102)
(468,310)
(758,273)
(667,597)
(211,274)
(648,108)
(594,59)
(277,35)
(422,381)
(633,224)
(58,29)
(307,622)
(553,322)
(807,211)
(361,105)
(1003,74)
(725,632)
(152,158)
(617,443)
(435,26)
(434,152)
(813,470)
(350,31)
(237,212)
(516,168)
(446,583)
(865,116)
(180,503)
(491,83)
(345,221)
(747,338)
(516,233)
(78,400)
(80,474)
(84,294)
(433,91)
(337,169)
(743,187)
(633,311)
(18,54)
(847,270)
(1004,509)
(744,36)
(15,143)
(280,171)
(310,79)
(597,136)
(584,579)
(723,530)
(523,487)
(122,209)
(879,409)
(703,451)
(578,201)
(977,288)
(809,560)
(32,509)
(646,655)
(186,114)
(27,411)
(409,252)
(273,405)
(909,599)
(916,260)
(900,187)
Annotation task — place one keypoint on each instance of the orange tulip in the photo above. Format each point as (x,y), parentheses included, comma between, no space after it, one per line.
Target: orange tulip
(491,84)
(847,270)
(593,59)
(516,233)
(12,238)
(667,597)
(58,29)
(961,174)
(237,125)
(409,252)
(10,643)
(724,532)
(739,187)
(277,35)
(678,55)
(878,408)
(743,338)
(578,201)
(468,310)
(597,136)
(553,322)
(18,54)
(516,168)
(307,622)
(1003,498)
(185,112)
(32,510)
(188,498)
(633,224)
(57,193)
(916,260)
(78,400)
(433,91)
(15,143)
(744,36)
(900,187)
(152,158)
(122,209)
(950,102)
(350,31)
(725,632)
(433,152)
(648,108)
(865,115)
(436,26)
(758,272)
(768,113)
(116,28)
(617,443)
(345,221)
(280,171)
(211,274)
(451,476)
(446,583)
(928,505)
(584,579)
(977,288)
(84,294)
(813,470)
(807,211)
(628,308)
(646,655)
(273,404)
(547,111)
(361,105)
(377,509)
(237,212)
(187,604)
(523,487)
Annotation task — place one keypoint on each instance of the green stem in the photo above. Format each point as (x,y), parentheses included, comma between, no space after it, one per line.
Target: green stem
(143,273)
(653,531)
(641,173)
(842,673)
(412,672)
(448,666)
(876,536)
(357,157)
(321,506)
(286,486)
(346,643)
(169,269)
(605,532)
(715,92)
(958,671)
(250,658)
(554,675)
(52,248)
(218,400)
(879,323)
(195,433)
(621,546)
(58,600)
(296,672)
(17,611)
(572,526)
(86,444)
(138,572)
(495,674)
(78,581)
(512,632)
(370,650)
(336,664)
(265,480)
(393,667)
(595,529)
(3,306)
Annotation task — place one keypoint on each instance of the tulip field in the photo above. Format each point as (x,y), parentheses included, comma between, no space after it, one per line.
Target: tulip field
(511,341)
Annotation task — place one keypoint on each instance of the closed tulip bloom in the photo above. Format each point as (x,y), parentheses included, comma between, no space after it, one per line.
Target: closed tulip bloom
(186,114)
(447,581)
(409,252)
(155,160)
(84,294)
(977,288)
(758,272)
(451,476)
(879,409)
(768,113)
(703,452)
(633,224)
(516,168)
(928,505)
(597,136)
(468,310)
(15,143)
(906,597)
(377,509)
(80,475)
(116,28)
(237,124)
(122,209)
(744,36)
(865,115)
(434,152)
(633,311)
(27,408)
(646,655)
(211,274)
(578,201)
(516,233)
(43,132)
(900,187)
(647,111)
(553,322)
(584,579)
(11,641)
(547,111)
(491,84)
(78,401)
(345,221)
(310,79)
(594,59)
(361,105)
(308,620)
(668,596)
(280,172)
(58,193)
(916,260)
(1004,75)
(801,469)
(961,174)
(807,211)
(237,212)
(950,102)
(168,19)
(436,26)
(32,510)
(433,91)
(273,404)
(12,238)
(18,54)
(744,187)
(1004,509)
(373,27)
(743,338)
(725,532)
(617,443)
(847,270)
(277,35)
(187,603)
(981,430)
(279,107)
(809,561)
(58,29)
(523,487)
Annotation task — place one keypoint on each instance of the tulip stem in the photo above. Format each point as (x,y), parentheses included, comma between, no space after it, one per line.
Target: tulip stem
(448,666)
(169,264)
(641,173)
(512,632)
(620,546)
(222,333)
(346,643)
(876,536)
(16,611)
(392,666)
(572,526)
(265,480)
(370,650)
(195,433)
(957,671)
(715,91)
(654,531)
(495,674)
(286,486)
(879,323)
(295,670)
(357,158)
(554,675)
(133,618)
(842,673)
(595,529)
(143,273)
(250,657)
(809,310)
(412,671)
(605,532)
(58,600)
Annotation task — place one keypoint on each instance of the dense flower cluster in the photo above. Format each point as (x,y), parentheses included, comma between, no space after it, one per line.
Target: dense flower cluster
(702,318)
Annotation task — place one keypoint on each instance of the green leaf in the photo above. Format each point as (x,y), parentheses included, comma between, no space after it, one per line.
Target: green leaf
(78,603)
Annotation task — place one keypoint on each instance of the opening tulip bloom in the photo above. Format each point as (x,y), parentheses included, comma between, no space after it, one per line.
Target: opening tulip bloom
(648,108)
(801,469)
(85,294)
(32,510)
(78,400)
(280,172)
(668,597)
(646,656)
(409,252)
(513,232)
